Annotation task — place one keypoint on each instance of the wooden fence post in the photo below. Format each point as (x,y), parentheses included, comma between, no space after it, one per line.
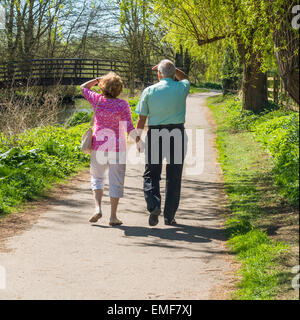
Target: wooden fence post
(276,89)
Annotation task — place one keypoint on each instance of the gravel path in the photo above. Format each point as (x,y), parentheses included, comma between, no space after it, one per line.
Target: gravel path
(62,256)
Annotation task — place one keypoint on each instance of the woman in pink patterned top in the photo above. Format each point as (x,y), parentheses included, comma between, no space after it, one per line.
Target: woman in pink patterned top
(112,121)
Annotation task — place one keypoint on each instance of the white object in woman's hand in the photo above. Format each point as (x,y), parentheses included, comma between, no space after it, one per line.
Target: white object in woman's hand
(140,146)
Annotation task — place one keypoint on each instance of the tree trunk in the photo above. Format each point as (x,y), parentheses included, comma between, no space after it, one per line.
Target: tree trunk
(187,62)
(179,58)
(255,92)
(286,40)
(254,85)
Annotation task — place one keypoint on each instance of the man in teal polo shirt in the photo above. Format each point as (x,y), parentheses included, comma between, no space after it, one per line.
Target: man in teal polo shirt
(164,104)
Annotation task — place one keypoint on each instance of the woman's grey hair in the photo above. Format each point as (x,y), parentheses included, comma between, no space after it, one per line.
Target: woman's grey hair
(167,68)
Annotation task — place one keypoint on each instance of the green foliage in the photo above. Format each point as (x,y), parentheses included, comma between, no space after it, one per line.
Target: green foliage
(32,161)
(246,173)
(259,273)
(186,27)
(133,103)
(85,117)
(237,118)
(79,118)
(196,89)
(207,85)
(280,136)
(35,159)
(278,130)
(231,71)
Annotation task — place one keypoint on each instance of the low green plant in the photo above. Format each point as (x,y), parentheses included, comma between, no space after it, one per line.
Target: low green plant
(260,274)
(237,118)
(133,103)
(280,136)
(278,131)
(79,118)
(209,85)
(31,162)
(250,178)
(195,89)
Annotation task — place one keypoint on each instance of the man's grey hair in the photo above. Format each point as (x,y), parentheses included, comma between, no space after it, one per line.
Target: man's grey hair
(167,68)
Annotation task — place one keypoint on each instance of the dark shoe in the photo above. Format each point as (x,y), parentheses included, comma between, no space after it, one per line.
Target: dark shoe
(170,223)
(153,218)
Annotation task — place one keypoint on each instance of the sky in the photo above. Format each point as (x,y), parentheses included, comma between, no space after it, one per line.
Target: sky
(2,17)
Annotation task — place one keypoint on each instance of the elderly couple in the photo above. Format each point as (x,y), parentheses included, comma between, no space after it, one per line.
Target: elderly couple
(164,104)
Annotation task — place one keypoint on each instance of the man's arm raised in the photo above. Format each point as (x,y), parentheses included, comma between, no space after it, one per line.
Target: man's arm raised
(180,75)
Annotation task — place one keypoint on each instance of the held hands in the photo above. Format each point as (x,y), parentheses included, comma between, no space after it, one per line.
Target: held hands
(140,145)
(135,135)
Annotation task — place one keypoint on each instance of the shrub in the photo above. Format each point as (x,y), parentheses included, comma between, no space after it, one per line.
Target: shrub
(278,130)
(33,160)
(237,118)
(280,136)
(231,71)
(79,118)
(133,103)
(209,85)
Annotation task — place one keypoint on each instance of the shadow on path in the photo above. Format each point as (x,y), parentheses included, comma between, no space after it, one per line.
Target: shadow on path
(192,234)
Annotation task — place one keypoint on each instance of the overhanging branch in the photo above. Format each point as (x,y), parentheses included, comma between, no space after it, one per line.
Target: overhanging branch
(202,42)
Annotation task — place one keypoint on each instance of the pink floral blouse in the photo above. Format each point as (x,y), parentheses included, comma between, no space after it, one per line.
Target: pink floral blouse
(112,121)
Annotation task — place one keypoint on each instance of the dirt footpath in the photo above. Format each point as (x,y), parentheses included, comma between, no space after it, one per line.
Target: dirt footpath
(62,256)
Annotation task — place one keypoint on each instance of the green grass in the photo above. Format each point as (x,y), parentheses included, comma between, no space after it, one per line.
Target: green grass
(194,89)
(32,162)
(251,188)
(208,85)
(133,103)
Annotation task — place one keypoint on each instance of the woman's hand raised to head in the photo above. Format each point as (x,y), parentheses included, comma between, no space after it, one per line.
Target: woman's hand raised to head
(155,68)
(90,84)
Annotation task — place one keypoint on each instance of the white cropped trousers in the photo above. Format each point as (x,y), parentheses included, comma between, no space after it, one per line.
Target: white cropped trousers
(116,175)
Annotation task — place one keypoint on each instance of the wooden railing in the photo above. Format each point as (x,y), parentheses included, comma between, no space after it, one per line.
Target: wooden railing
(47,72)
(277,92)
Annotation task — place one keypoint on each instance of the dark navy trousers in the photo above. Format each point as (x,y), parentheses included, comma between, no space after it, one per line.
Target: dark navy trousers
(164,142)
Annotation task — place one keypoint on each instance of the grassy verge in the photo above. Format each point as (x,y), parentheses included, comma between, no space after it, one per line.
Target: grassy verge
(262,224)
(195,89)
(208,85)
(32,162)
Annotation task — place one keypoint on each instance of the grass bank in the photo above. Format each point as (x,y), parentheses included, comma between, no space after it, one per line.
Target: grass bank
(33,161)
(258,156)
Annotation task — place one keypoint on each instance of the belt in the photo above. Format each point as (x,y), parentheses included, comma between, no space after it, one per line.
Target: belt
(168,126)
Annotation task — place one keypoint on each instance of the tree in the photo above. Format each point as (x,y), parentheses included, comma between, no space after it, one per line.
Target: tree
(142,39)
(183,59)
(231,71)
(51,28)
(286,41)
(26,23)
(268,24)
(198,25)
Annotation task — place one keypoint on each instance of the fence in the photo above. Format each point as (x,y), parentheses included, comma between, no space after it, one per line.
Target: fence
(48,72)
(277,92)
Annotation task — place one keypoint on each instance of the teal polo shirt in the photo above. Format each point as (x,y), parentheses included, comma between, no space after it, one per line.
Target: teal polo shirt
(164,102)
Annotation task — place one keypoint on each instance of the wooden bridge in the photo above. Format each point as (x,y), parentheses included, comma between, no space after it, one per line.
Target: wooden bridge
(47,72)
